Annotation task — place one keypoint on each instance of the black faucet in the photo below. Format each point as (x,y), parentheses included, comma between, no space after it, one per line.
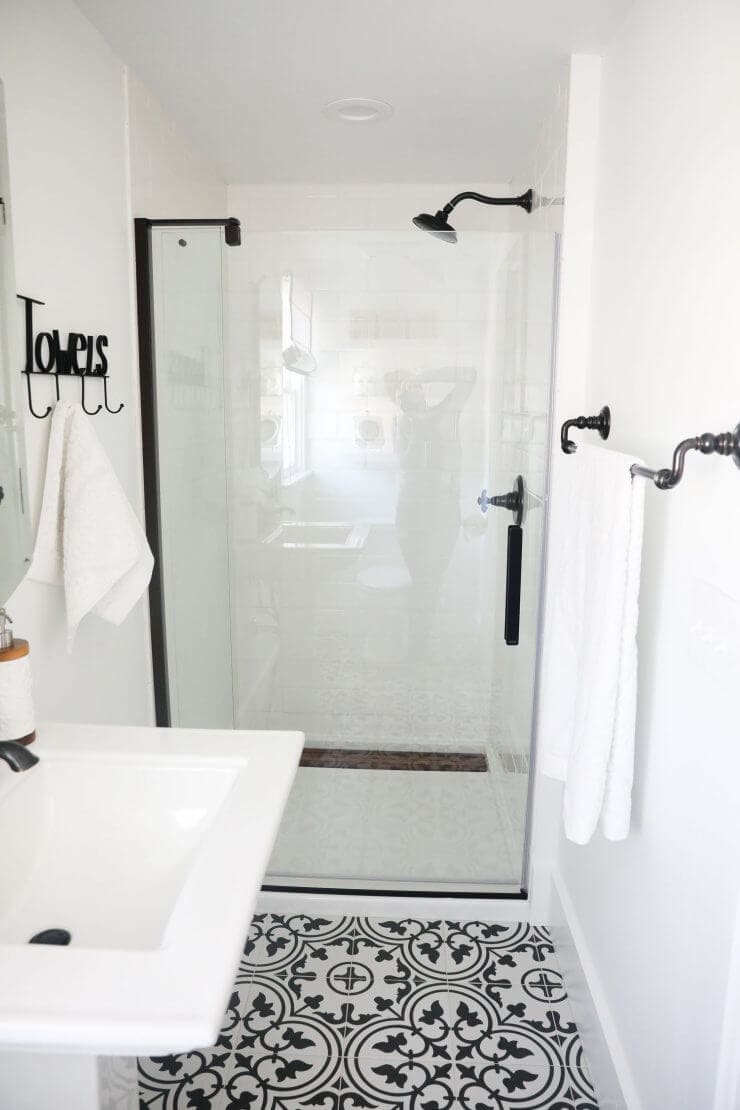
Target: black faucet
(17,757)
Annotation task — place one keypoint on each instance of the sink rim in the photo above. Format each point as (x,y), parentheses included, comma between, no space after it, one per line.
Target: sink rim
(165,999)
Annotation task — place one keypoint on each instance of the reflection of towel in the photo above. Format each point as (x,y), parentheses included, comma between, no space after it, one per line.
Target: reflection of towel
(88,538)
(589,660)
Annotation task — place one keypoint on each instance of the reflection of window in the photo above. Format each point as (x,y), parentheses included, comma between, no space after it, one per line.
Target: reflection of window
(297,334)
(295,427)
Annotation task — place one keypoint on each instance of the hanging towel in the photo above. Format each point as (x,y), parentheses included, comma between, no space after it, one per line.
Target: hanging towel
(89,540)
(589,659)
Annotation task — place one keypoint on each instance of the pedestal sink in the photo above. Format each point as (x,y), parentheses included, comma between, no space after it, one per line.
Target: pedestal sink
(148,846)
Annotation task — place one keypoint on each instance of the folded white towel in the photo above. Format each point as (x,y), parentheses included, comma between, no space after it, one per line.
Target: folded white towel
(89,538)
(588,687)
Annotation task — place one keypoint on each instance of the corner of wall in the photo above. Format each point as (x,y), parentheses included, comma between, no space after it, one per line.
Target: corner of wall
(608,1065)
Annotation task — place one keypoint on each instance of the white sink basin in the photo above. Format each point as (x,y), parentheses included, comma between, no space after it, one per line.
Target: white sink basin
(149,846)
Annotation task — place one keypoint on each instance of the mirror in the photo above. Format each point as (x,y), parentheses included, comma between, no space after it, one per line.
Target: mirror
(15,532)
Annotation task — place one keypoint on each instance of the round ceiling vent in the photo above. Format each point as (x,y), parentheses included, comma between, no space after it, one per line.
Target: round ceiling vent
(357,109)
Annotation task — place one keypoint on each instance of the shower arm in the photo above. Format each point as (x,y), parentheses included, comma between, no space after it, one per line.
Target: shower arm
(524,201)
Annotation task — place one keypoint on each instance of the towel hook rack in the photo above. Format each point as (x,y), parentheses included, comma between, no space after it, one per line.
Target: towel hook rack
(601,424)
(47,357)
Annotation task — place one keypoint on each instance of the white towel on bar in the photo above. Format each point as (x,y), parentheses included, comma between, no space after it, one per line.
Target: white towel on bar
(588,688)
(89,539)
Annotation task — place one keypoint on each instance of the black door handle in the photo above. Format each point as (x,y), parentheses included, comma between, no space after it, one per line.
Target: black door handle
(513,584)
(514,502)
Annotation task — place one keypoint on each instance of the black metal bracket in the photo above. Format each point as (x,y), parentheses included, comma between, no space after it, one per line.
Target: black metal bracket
(723,443)
(513,501)
(601,424)
(232,227)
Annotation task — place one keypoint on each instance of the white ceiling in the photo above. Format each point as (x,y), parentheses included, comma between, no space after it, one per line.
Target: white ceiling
(470,80)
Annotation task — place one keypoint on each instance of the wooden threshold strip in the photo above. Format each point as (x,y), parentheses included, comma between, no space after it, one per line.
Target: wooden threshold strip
(369,759)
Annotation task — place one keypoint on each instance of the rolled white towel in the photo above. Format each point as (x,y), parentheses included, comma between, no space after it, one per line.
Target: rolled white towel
(89,539)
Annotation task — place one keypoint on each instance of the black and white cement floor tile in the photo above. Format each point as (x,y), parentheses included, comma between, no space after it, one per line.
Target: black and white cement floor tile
(379,1014)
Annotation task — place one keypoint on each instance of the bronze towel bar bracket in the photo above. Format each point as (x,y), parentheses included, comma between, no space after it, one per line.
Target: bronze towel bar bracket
(601,424)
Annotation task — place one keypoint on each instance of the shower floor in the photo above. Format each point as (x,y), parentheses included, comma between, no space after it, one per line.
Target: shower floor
(452,830)
(349,1013)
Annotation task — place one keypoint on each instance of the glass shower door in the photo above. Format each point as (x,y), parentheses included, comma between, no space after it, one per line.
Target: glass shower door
(368,589)
(325,565)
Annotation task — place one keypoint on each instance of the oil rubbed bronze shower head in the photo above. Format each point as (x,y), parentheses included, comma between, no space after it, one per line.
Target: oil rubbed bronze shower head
(439,226)
(436,225)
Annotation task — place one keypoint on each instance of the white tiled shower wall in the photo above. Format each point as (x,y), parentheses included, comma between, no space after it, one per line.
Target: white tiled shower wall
(343,623)
(344,677)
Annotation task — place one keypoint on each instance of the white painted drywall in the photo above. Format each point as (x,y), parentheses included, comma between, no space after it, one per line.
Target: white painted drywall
(657,912)
(169,179)
(67,137)
(469,85)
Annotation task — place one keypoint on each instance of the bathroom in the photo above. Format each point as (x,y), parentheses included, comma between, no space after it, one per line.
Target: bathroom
(299,801)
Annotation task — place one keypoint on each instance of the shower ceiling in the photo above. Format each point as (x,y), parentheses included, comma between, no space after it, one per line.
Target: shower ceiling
(470,83)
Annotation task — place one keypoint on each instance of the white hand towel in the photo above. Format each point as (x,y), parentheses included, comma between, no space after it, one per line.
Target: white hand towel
(89,538)
(588,687)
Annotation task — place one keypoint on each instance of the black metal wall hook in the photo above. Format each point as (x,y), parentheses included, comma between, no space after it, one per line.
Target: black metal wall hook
(601,424)
(32,410)
(69,375)
(85,409)
(105,398)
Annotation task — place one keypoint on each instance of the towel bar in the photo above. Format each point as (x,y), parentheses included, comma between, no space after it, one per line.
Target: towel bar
(723,443)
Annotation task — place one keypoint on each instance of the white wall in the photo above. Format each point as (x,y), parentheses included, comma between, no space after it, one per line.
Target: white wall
(656,913)
(67,137)
(168,178)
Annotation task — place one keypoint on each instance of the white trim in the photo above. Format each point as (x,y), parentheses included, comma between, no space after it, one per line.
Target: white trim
(727,1090)
(358,905)
(607,1060)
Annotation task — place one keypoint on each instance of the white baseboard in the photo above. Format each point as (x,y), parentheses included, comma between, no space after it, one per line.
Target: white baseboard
(607,1062)
(451,909)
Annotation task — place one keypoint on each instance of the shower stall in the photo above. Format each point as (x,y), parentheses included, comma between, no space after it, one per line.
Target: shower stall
(321,411)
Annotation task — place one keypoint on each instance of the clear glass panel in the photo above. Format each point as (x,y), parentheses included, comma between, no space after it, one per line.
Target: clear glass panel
(188,298)
(367,586)
(374,383)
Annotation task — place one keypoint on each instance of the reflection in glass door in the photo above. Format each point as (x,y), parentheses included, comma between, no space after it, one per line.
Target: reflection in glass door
(373,383)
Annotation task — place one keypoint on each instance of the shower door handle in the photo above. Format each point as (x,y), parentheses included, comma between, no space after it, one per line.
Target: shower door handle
(514,502)
(513,584)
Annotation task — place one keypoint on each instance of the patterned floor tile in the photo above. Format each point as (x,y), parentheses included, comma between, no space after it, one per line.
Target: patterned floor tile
(511,1088)
(476,947)
(419,945)
(384,1014)
(243,1081)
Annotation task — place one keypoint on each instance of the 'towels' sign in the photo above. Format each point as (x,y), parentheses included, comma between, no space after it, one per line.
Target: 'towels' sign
(45,353)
